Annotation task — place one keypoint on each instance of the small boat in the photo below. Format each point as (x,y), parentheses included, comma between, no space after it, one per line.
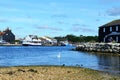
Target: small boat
(64,43)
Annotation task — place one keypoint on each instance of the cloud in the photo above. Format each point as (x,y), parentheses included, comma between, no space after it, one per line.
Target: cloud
(47,28)
(81,28)
(9,9)
(97,20)
(54,4)
(59,16)
(25,20)
(87,30)
(78,29)
(79,25)
(109,1)
(3,20)
(114,11)
(62,22)
(19,28)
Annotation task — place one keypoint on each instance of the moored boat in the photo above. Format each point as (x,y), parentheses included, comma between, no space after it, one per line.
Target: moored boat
(31,43)
(31,40)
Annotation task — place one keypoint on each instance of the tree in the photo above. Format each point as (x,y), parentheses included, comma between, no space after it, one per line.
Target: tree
(81,38)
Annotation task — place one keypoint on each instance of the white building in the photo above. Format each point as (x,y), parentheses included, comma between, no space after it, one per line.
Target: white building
(48,40)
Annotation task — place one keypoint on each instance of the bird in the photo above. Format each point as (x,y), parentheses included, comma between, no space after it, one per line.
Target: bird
(59,55)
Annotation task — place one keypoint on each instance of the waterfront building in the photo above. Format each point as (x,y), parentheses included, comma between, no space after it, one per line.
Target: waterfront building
(7,36)
(110,32)
(48,40)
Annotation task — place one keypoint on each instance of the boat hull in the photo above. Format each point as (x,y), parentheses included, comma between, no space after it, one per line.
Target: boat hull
(31,44)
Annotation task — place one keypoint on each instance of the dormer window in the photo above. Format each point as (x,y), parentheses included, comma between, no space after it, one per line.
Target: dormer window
(103,29)
(116,28)
(110,29)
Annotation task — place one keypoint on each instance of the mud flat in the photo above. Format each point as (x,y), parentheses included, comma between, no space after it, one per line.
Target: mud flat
(53,73)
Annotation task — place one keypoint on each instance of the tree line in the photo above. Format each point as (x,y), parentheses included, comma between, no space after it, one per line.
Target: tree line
(81,38)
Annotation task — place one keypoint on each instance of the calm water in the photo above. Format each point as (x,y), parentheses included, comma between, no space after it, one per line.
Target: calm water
(34,55)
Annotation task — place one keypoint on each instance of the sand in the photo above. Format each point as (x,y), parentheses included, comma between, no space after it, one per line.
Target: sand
(53,73)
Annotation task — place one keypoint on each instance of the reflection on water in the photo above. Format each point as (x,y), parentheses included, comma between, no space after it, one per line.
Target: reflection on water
(43,55)
(109,63)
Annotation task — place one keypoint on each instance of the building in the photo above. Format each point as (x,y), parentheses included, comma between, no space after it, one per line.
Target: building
(110,32)
(48,40)
(7,36)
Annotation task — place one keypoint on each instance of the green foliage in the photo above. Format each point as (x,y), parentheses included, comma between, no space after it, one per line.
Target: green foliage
(60,38)
(17,40)
(81,38)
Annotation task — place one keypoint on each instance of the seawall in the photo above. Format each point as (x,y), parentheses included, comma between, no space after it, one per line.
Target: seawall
(99,47)
(10,44)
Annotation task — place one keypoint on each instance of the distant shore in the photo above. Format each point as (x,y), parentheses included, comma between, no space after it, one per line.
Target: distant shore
(53,73)
(33,45)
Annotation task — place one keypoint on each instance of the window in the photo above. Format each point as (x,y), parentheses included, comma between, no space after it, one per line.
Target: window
(103,29)
(116,38)
(110,29)
(116,28)
(104,39)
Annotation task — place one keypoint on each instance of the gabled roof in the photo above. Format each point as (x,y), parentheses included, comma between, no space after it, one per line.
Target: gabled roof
(112,23)
(2,33)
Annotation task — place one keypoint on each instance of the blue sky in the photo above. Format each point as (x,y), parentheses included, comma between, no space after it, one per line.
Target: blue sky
(57,17)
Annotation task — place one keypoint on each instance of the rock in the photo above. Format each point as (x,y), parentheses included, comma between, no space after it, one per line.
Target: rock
(99,47)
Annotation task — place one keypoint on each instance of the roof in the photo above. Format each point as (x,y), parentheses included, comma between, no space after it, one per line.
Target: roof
(2,33)
(112,23)
(5,31)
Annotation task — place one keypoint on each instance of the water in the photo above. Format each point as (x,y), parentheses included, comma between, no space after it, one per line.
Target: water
(57,55)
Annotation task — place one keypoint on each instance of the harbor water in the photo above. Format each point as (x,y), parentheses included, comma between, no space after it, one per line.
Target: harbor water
(57,55)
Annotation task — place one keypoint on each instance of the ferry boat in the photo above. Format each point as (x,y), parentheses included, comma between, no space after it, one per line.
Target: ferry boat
(31,43)
(31,40)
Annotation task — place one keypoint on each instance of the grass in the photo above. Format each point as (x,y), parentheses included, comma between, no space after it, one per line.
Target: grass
(53,73)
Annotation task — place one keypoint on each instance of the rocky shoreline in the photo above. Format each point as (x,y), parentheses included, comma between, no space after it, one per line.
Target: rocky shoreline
(99,47)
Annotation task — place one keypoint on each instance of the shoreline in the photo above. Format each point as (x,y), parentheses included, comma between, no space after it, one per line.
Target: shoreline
(53,73)
(10,44)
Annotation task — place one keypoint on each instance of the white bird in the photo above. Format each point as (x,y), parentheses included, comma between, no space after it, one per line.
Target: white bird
(59,55)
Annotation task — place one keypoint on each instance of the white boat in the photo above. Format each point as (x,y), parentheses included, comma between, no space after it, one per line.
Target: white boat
(64,43)
(31,40)
(31,43)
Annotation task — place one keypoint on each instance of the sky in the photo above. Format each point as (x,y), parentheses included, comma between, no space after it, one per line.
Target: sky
(57,17)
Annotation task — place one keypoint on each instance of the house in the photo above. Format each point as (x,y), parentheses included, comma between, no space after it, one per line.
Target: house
(48,40)
(110,32)
(7,36)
